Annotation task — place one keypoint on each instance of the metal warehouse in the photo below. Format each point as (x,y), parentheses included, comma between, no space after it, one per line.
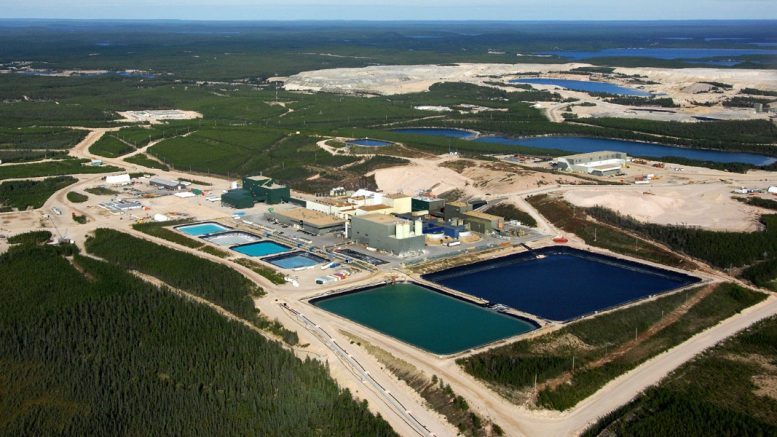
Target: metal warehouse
(603,163)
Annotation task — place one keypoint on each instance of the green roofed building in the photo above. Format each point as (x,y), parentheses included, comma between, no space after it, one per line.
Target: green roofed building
(264,189)
(239,199)
(256,189)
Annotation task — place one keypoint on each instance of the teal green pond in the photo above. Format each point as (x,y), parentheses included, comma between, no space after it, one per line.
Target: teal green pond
(424,318)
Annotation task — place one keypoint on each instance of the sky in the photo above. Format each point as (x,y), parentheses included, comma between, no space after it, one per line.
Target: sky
(392,10)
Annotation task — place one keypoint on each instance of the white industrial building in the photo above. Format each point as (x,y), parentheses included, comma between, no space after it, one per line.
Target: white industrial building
(122,179)
(604,163)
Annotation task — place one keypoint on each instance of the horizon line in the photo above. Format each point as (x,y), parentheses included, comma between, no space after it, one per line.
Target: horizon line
(432,20)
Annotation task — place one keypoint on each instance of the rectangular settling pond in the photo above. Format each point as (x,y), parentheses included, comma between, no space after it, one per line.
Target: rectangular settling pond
(262,248)
(295,260)
(202,229)
(424,318)
(231,238)
(560,283)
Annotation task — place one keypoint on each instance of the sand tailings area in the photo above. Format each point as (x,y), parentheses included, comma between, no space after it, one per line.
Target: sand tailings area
(473,178)
(709,206)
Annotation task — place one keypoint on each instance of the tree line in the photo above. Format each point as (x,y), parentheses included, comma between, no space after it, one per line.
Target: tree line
(93,350)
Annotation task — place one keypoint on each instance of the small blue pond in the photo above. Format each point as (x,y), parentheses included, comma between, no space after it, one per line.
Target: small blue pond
(560,283)
(202,229)
(661,53)
(587,86)
(261,248)
(295,260)
(366,142)
(438,132)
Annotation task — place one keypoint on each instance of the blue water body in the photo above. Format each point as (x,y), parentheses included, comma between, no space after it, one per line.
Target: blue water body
(584,85)
(717,63)
(633,148)
(261,248)
(424,318)
(295,260)
(438,132)
(586,144)
(563,284)
(202,229)
(660,53)
(366,142)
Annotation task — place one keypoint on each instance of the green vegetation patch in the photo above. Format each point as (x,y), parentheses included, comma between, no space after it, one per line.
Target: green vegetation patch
(512,212)
(757,92)
(272,275)
(141,136)
(604,347)
(38,138)
(31,194)
(145,161)
(7,156)
(719,248)
(378,162)
(759,202)
(110,147)
(215,282)
(150,362)
(31,238)
(101,191)
(53,168)
(210,250)
(77,197)
(725,391)
(163,230)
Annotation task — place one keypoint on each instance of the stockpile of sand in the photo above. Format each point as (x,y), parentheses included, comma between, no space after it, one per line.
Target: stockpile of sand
(708,206)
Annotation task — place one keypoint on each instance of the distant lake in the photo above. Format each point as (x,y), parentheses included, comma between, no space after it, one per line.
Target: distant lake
(588,144)
(633,148)
(660,53)
(584,85)
(437,132)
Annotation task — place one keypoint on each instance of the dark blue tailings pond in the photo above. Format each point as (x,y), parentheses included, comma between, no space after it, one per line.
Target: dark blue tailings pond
(562,284)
